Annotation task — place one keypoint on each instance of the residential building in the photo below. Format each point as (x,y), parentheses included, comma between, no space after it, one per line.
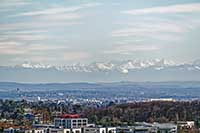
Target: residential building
(142,129)
(166,127)
(63,130)
(94,130)
(185,124)
(9,130)
(35,131)
(111,130)
(125,129)
(70,121)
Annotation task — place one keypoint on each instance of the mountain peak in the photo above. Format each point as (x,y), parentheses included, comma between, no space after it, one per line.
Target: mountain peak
(33,65)
(120,66)
(128,70)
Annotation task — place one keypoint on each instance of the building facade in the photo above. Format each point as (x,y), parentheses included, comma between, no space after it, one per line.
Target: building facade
(94,130)
(70,121)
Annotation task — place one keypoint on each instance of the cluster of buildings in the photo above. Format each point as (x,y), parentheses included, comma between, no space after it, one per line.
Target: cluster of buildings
(73,123)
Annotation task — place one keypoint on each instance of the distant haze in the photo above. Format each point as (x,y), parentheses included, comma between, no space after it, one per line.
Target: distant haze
(102,91)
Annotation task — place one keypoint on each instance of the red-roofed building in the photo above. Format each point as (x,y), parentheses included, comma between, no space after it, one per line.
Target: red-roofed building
(70,116)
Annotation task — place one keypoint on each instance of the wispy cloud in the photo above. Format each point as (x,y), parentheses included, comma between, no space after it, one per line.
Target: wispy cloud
(24,32)
(11,48)
(35,58)
(141,28)
(128,41)
(168,31)
(51,17)
(75,55)
(34,25)
(41,52)
(153,27)
(58,10)
(13,3)
(181,8)
(68,31)
(129,49)
(16,48)
(27,37)
(61,17)
(68,56)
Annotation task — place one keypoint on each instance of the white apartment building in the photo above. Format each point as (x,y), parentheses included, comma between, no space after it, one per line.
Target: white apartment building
(111,130)
(94,130)
(63,130)
(35,131)
(70,121)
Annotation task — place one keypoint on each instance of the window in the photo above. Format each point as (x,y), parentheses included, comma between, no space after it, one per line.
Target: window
(77,131)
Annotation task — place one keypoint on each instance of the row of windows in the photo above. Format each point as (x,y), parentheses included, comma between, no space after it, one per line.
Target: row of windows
(79,120)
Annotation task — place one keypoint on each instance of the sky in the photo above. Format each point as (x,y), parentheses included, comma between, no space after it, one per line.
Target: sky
(61,32)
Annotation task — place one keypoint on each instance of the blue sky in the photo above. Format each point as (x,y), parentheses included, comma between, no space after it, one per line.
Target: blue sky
(61,32)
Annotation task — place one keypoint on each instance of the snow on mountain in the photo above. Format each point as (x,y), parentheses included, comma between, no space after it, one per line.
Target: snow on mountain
(138,64)
(104,66)
(130,70)
(122,66)
(197,67)
(33,65)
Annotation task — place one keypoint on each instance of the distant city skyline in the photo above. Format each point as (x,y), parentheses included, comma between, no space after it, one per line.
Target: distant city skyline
(65,32)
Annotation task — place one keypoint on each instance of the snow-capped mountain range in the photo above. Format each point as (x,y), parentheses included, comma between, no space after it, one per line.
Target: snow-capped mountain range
(130,70)
(121,66)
